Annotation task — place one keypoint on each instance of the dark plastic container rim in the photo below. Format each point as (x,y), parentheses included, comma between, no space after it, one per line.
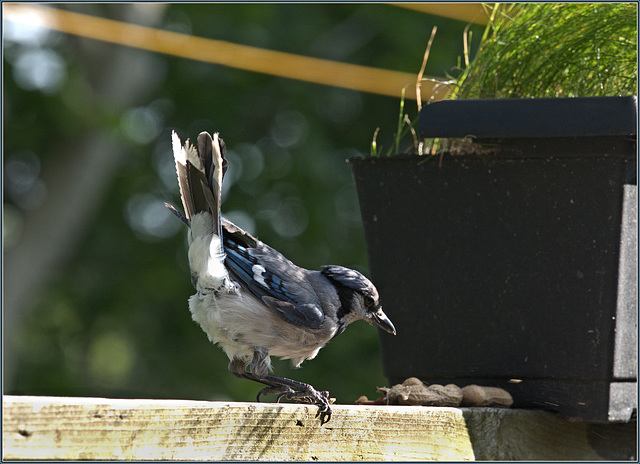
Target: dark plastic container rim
(531,117)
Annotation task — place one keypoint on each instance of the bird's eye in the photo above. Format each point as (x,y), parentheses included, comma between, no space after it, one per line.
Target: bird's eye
(368,301)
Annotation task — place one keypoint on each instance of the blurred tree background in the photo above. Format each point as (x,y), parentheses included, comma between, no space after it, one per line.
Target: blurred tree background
(96,276)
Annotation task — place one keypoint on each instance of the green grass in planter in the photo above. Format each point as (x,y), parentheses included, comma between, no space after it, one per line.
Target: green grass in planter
(539,50)
(555,50)
(405,127)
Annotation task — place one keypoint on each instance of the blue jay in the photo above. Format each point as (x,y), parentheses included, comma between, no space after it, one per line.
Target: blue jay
(251,300)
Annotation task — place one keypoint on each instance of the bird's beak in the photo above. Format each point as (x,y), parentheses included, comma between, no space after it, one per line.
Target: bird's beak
(382,321)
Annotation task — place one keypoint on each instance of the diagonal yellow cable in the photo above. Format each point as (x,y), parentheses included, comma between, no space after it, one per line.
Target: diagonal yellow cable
(468,12)
(319,71)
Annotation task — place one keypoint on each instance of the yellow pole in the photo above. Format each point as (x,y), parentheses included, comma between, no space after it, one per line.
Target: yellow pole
(467,12)
(319,71)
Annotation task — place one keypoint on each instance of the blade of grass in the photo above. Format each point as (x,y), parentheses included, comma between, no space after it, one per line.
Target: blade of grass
(424,64)
(374,144)
(400,121)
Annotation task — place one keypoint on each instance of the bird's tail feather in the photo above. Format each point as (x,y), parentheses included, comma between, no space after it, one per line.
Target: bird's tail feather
(200,172)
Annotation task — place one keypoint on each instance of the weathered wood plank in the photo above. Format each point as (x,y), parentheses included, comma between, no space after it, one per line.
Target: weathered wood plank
(115,429)
(53,428)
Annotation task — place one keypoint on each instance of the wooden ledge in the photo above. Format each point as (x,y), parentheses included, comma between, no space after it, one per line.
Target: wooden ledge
(57,428)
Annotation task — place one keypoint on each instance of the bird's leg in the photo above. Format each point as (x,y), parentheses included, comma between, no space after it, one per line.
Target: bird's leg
(239,369)
(296,391)
(304,393)
(288,388)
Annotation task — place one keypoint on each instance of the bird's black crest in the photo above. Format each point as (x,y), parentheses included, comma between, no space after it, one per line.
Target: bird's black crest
(350,278)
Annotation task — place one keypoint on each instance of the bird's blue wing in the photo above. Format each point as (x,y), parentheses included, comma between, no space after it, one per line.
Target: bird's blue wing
(246,264)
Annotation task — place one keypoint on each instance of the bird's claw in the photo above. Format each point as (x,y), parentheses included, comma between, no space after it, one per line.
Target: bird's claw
(310,396)
(324,410)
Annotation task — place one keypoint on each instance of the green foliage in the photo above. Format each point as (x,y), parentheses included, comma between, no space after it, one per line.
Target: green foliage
(555,50)
(113,320)
(536,50)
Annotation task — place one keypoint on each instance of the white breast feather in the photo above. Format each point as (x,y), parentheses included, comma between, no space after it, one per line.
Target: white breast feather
(240,323)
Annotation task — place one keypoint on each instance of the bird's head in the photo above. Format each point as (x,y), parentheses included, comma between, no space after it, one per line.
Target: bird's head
(359,299)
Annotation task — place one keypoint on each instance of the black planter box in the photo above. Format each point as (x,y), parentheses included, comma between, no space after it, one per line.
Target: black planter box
(515,268)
